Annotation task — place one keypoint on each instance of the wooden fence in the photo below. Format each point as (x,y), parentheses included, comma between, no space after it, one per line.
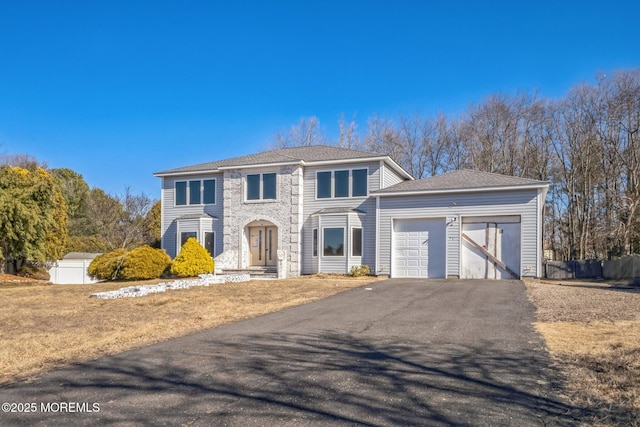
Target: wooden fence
(627,267)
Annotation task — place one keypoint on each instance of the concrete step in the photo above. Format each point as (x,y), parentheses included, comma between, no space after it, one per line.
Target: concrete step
(254,272)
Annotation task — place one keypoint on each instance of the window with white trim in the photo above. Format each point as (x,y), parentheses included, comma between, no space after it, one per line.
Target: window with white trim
(195,192)
(356,242)
(342,183)
(333,241)
(261,186)
(185,235)
(315,242)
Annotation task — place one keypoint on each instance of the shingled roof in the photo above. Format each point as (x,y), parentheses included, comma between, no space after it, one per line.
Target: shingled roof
(461,180)
(295,155)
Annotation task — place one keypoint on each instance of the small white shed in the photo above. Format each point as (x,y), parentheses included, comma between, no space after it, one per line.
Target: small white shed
(72,269)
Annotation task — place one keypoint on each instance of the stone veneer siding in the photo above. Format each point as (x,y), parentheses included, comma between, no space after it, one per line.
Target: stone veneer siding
(285,212)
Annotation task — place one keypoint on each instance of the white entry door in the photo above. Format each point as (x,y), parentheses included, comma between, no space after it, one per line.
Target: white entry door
(419,248)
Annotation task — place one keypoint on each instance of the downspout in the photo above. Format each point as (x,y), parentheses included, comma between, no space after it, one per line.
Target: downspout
(377,245)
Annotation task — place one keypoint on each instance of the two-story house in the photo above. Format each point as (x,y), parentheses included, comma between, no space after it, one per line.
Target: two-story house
(326,209)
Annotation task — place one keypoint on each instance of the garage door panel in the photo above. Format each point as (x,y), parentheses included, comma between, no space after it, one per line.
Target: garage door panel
(498,237)
(413,263)
(419,248)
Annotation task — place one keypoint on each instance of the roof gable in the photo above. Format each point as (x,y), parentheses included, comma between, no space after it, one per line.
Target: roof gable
(461,180)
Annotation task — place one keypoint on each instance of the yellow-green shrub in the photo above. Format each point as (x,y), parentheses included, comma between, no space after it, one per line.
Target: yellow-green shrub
(107,266)
(360,270)
(192,260)
(144,262)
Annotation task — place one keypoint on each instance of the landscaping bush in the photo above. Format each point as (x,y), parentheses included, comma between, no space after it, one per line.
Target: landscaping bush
(192,260)
(33,271)
(144,263)
(359,270)
(107,266)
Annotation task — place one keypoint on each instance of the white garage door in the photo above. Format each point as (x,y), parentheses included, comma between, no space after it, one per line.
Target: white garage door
(419,248)
(490,247)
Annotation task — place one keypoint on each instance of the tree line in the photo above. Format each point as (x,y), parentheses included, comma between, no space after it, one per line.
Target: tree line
(46,213)
(585,144)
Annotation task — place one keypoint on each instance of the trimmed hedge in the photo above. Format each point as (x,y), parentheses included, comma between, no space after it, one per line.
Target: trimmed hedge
(143,263)
(192,260)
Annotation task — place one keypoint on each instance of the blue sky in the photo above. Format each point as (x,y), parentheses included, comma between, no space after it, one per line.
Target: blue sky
(117,90)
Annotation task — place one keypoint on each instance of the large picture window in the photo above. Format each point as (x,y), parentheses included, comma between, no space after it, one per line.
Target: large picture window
(261,186)
(196,192)
(333,241)
(341,183)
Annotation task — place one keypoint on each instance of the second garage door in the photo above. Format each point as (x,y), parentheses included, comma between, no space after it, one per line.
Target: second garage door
(419,248)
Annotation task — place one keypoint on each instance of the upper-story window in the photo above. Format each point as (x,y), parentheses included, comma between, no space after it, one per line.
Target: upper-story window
(196,192)
(341,183)
(261,186)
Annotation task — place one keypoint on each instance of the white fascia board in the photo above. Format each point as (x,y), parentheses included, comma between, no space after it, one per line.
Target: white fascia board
(260,165)
(338,213)
(399,169)
(463,190)
(202,172)
(223,168)
(341,161)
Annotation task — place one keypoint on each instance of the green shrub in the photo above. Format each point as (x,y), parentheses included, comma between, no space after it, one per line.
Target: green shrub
(107,266)
(192,260)
(144,262)
(359,270)
(33,271)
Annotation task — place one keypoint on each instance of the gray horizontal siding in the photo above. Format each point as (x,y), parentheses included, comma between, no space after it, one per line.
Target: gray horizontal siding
(390,177)
(365,204)
(523,203)
(355,221)
(170,212)
(333,264)
(453,245)
(311,265)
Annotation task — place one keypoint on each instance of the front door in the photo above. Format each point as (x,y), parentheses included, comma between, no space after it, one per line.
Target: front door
(263,244)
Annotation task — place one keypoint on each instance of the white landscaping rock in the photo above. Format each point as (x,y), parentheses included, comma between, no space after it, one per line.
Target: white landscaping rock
(141,291)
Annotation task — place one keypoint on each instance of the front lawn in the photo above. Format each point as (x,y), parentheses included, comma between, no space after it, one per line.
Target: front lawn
(592,330)
(47,326)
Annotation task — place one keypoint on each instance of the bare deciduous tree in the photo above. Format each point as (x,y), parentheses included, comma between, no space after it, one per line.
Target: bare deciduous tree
(586,144)
(307,132)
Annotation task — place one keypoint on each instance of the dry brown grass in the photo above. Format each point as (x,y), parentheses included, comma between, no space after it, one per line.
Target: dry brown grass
(593,332)
(46,326)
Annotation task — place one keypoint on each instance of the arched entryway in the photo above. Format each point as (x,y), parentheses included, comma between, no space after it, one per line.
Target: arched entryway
(262,236)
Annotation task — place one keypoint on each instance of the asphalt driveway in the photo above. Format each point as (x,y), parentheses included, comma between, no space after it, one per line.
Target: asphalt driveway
(396,352)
